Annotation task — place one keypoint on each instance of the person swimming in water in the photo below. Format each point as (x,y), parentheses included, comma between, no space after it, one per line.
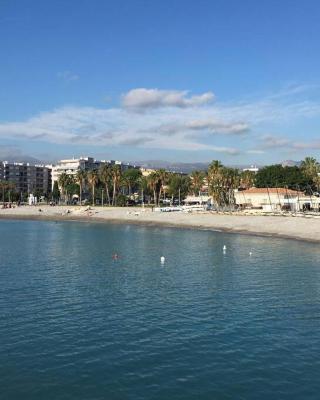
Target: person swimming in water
(115,256)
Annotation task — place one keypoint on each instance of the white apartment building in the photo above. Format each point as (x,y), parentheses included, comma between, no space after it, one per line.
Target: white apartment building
(71,166)
(252,168)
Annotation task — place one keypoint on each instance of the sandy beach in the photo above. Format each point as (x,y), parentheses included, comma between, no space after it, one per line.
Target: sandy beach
(302,228)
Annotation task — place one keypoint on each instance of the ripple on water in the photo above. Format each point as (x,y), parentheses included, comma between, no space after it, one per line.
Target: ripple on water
(74,324)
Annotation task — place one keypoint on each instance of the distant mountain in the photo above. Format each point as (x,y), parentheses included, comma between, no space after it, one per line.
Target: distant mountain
(20,159)
(182,167)
(290,163)
(14,154)
(171,166)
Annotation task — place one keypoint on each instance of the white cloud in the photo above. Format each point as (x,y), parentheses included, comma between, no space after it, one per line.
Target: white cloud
(255,151)
(278,142)
(170,123)
(141,99)
(68,76)
(270,142)
(215,126)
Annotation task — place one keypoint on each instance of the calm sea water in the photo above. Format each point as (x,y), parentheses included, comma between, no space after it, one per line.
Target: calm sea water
(75,324)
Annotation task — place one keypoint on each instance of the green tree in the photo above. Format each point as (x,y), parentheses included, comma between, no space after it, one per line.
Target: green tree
(63,181)
(55,192)
(105,174)
(81,177)
(310,167)
(222,182)
(8,189)
(197,181)
(131,178)
(282,177)
(247,179)
(179,186)
(116,174)
(154,185)
(72,187)
(145,189)
(93,180)
(163,179)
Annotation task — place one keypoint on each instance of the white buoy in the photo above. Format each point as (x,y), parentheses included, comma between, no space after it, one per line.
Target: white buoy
(162,259)
(224,248)
(250,254)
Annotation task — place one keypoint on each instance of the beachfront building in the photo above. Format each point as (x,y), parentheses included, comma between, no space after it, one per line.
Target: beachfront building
(124,166)
(276,199)
(27,178)
(204,199)
(252,168)
(147,171)
(71,166)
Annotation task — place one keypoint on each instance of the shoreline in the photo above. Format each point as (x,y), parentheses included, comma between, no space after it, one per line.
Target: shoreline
(252,225)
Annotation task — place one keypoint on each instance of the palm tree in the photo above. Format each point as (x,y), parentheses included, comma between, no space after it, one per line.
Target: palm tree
(63,181)
(93,180)
(154,183)
(247,179)
(310,167)
(131,179)
(116,179)
(221,183)
(105,176)
(81,177)
(10,186)
(163,178)
(215,178)
(197,178)
(231,182)
(2,188)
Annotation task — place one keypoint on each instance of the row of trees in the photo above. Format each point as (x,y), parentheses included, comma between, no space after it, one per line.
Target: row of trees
(157,186)
(111,179)
(7,190)
(305,177)
(117,186)
(223,181)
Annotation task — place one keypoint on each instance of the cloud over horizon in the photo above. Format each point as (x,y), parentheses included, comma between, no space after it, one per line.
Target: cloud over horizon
(143,99)
(172,120)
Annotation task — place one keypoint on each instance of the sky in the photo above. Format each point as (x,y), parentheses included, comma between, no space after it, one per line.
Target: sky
(174,80)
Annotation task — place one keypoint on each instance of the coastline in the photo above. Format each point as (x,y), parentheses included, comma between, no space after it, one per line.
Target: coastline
(289,227)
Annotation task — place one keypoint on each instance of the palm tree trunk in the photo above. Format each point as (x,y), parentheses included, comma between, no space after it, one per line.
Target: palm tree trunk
(80,189)
(154,197)
(114,193)
(108,194)
(93,187)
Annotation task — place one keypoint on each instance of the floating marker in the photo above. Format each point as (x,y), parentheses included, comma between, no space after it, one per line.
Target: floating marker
(162,259)
(250,254)
(224,248)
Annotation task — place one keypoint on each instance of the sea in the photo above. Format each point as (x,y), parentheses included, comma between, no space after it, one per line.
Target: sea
(89,311)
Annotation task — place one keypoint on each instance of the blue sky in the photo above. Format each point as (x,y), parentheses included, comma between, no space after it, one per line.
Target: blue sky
(172,79)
